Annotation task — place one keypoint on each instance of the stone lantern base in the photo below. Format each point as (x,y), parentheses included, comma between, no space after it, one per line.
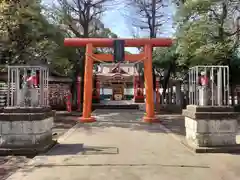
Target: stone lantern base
(26,131)
(211,129)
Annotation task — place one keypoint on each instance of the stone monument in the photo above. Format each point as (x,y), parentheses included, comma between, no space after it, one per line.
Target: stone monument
(27,120)
(211,124)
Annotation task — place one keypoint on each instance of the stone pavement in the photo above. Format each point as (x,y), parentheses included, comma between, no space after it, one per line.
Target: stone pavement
(122,102)
(119,146)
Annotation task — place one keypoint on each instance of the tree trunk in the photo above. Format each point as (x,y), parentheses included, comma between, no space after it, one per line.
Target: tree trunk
(82,54)
(166,79)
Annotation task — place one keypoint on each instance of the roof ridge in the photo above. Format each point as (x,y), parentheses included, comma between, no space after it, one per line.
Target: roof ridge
(120,69)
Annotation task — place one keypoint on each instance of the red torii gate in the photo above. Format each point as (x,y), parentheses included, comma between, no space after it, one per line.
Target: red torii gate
(145,56)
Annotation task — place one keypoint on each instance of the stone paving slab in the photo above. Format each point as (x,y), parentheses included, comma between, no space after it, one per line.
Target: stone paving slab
(122,102)
(118,115)
(115,149)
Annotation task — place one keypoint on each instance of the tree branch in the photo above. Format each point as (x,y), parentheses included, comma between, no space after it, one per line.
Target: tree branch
(216,15)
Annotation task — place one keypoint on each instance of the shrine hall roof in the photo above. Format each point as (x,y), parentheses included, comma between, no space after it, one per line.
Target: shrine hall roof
(125,69)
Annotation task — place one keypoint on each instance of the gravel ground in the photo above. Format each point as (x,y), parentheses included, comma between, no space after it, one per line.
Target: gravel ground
(11,164)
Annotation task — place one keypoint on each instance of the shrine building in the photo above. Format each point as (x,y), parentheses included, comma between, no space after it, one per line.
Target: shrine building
(119,81)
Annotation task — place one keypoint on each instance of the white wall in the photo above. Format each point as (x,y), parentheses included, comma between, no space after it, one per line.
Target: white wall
(129,91)
(105,91)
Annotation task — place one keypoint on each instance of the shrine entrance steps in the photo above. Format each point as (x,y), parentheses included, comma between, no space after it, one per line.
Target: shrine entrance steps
(108,104)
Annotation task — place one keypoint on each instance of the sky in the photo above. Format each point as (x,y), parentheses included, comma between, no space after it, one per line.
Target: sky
(117,19)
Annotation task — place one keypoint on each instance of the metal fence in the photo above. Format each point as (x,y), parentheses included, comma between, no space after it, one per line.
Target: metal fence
(209,86)
(27,86)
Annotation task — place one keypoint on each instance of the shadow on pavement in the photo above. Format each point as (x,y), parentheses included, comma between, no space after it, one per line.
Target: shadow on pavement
(132,119)
(175,123)
(133,126)
(80,149)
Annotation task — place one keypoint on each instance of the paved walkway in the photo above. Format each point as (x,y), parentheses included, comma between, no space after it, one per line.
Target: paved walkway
(120,147)
(122,102)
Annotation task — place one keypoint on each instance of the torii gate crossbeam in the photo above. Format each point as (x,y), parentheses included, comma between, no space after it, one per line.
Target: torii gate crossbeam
(90,57)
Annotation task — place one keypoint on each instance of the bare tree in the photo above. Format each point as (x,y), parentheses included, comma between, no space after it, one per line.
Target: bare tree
(81,18)
(147,15)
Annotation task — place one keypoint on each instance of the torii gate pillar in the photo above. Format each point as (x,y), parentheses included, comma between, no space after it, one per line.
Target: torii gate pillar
(148,78)
(146,57)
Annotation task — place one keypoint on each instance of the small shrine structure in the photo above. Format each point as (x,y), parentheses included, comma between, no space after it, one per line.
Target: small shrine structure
(122,79)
